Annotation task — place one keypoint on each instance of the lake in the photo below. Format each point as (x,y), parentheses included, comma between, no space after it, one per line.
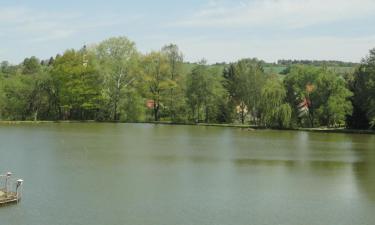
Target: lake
(140,174)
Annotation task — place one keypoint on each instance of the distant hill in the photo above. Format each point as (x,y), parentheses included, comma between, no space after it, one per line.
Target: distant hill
(282,65)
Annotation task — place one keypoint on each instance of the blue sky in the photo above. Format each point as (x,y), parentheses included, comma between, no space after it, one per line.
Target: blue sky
(218,31)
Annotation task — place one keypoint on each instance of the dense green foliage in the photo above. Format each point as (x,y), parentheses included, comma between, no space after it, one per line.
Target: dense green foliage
(362,84)
(327,63)
(276,112)
(244,81)
(117,59)
(113,81)
(324,93)
(204,93)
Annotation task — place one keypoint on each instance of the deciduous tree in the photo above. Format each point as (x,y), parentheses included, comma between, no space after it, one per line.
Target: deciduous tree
(118,59)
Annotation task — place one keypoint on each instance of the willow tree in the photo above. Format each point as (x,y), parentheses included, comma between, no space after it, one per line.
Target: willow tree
(117,59)
(276,112)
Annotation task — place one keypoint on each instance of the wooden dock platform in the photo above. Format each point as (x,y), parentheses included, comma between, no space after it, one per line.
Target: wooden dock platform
(10,189)
(9,198)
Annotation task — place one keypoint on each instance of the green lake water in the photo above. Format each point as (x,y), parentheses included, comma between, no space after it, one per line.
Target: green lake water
(127,174)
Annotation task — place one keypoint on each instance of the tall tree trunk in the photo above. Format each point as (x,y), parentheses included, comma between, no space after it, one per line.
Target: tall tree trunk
(242,115)
(115,111)
(171,105)
(206,119)
(172,108)
(311,119)
(156,113)
(36,115)
(311,116)
(198,114)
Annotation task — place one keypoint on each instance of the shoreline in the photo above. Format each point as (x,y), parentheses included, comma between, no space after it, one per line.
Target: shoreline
(239,126)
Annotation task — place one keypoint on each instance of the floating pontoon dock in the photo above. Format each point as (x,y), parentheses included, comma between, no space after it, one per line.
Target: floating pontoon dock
(10,189)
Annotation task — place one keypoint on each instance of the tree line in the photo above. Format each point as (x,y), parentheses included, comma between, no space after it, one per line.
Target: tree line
(113,81)
(288,62)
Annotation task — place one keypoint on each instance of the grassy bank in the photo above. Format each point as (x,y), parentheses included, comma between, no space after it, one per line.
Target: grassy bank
(4,122)
(239,126)
(251,127)
(337,130)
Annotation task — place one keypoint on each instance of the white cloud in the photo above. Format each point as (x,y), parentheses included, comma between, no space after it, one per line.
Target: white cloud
(39,26)
(19,22)
(26,31)
(282,16)
(278,13)
(328,48)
